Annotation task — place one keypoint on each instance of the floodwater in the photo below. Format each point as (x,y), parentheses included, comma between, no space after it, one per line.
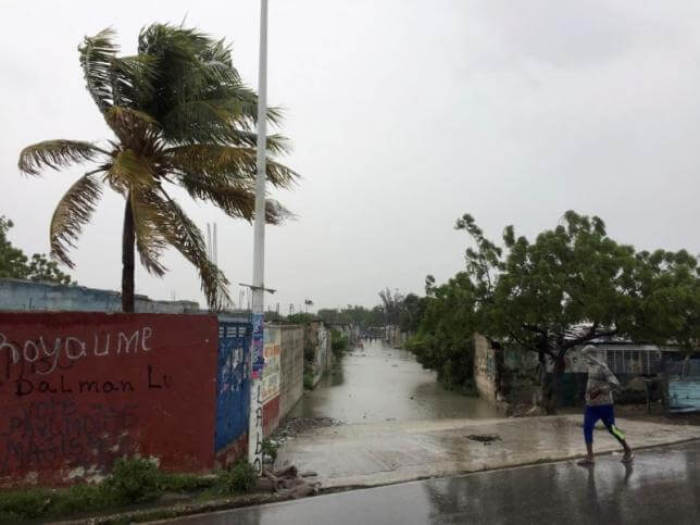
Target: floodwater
(378,383)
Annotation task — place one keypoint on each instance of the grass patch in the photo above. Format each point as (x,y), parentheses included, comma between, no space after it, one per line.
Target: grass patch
(132,481)
(241,478)
(135,480)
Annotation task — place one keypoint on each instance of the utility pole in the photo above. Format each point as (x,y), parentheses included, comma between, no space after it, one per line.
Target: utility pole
(215,247)
(257,359)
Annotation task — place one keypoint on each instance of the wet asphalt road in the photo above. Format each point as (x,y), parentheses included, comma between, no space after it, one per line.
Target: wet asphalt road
(662,487)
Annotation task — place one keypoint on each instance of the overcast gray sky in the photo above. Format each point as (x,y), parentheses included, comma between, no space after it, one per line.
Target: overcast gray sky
(403,116)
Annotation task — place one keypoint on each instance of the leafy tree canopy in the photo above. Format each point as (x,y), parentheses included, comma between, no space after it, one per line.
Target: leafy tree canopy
(568,286)
(16,265)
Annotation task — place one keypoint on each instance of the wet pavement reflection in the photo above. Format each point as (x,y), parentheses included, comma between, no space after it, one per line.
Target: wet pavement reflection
(663,486)
(378,383)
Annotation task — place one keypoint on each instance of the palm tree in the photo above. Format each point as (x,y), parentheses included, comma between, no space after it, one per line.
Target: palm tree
(181,116)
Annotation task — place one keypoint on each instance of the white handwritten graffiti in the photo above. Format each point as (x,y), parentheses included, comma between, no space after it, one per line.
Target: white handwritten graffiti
(46,354)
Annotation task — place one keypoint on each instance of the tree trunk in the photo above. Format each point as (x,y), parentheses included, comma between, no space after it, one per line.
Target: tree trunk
(552,385)
(128,257)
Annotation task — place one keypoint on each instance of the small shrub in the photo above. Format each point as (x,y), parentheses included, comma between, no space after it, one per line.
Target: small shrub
(309,354)
(134,480)
(339,342)
(82,498)
(240,478)
(185,482)
(22,505)
(269,448)
(308,381)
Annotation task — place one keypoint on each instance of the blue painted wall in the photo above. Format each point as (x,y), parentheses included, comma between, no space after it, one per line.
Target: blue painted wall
(232,382)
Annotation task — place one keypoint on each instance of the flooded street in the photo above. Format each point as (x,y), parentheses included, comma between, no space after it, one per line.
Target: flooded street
(377,384)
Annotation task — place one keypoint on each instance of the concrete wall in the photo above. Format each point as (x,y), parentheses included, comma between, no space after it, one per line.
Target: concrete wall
(17,295)
(272,351)
(485,369)
(78,390)
(395,337)
(318,337)
(292,367)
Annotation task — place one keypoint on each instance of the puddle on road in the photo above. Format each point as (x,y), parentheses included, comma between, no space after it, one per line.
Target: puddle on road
(377,383)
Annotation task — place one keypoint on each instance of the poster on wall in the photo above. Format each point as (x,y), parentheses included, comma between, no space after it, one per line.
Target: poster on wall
(271,373)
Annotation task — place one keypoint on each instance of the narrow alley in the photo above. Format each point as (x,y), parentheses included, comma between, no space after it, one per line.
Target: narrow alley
(377,383)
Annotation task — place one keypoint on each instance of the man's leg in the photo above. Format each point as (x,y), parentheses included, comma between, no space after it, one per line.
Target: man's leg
(608,417)
(589,420)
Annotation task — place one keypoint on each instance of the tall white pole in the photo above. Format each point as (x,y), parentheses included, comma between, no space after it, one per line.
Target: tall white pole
(257,360)
(215,246)
(209,242)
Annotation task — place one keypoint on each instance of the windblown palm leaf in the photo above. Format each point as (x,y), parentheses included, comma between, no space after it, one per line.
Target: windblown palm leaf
(181,115)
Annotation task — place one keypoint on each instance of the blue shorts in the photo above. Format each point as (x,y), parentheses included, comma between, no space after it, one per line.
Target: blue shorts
(606,415)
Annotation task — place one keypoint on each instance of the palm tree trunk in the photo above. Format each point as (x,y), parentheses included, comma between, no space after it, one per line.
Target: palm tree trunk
(128,257)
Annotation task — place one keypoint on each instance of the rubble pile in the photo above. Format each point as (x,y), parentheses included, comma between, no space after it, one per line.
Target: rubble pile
(288,482)
(296,425)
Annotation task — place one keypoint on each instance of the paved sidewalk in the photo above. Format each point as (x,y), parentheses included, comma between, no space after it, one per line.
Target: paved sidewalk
(662,486)
(379,454)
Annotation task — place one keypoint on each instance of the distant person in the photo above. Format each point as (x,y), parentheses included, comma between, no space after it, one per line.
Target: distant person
(599,404)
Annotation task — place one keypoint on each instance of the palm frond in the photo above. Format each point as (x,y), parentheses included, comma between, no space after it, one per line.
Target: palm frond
(96,56)
(132,126)
(237,200)
(150,242)
(275,143)
(184,235)
(227,162)
(130,172)
(275,213)
(133,80)
(55,154)
(73,212)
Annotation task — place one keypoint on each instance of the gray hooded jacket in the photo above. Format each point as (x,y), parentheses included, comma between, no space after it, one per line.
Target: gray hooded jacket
(600,379)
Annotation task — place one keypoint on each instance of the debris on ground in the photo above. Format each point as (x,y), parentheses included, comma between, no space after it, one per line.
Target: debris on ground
(288,482)
(525,410)
(296,425)
(486,439)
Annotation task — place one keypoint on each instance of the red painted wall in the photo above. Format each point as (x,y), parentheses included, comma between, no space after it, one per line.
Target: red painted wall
(237,450)
(271,415)
(78,390)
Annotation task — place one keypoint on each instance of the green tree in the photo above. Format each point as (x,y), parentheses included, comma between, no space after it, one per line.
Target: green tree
(16,265)
(356,315)
(181,116)
(666,286)
(571,285)
(410,312)
(444,340)
(574,284)
(392,304)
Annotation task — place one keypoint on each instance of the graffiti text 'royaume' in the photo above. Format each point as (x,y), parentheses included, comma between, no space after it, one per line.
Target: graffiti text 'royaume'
(44,354)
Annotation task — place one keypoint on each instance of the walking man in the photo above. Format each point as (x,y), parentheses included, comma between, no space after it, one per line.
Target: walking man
(599,404)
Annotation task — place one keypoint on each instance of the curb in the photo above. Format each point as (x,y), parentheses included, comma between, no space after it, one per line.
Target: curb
(168,512)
